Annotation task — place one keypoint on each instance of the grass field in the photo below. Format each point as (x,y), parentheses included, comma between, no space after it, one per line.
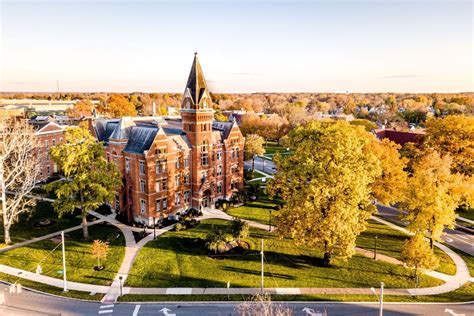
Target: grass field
(389,241)
(25,229)
(180,260)
(80,262)
(469,214)
(272,148)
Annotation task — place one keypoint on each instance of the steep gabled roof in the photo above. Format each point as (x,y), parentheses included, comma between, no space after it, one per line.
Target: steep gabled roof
(122,130)
(196,85)
(140,139)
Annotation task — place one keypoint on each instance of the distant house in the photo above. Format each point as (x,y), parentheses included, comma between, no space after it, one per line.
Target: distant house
(401,137)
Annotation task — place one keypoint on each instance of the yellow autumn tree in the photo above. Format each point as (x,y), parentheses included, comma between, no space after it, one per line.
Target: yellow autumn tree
(117,106)
(417,254)
(389,187)
(432,195)
(327,184)
(100,250)
(453,134)
(81,108)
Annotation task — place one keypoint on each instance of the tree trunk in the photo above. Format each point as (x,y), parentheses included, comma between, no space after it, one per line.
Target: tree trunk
(6,231)
(327,259)
(85,228)
(431,243)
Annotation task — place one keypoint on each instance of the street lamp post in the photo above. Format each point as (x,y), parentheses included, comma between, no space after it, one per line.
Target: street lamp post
(270,221)
(120,280)
(379,297)
(64,262)
(375,248)
(154,228)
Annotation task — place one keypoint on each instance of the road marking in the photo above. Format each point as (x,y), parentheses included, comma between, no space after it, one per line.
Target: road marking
(106,311)
(165,311)
(450,311)
(447,239)
(463,237)
(107,306)
(135,311)
(311,312)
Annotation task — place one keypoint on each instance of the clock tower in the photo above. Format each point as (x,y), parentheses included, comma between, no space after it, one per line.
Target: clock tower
(197,116)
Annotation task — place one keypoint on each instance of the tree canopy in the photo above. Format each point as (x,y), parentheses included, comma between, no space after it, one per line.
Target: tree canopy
(117,106)
(89,181)
(81,108)
(327,184)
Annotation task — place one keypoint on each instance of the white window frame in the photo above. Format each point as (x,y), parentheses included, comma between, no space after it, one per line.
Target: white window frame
(142,169)
(142,206)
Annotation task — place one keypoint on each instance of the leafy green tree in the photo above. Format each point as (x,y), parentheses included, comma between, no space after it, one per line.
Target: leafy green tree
(327,186)
(417,254)
(218,116)
(432,195)
(239,228)
(253,147)
(90,180)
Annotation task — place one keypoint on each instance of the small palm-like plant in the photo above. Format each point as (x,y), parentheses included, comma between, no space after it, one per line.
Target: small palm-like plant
(216,241)
(239,228)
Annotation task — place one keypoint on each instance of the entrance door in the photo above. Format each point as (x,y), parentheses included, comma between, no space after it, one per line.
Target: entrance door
(206,199)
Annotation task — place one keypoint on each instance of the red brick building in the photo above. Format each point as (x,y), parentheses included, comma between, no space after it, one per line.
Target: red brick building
(48,135)
(401,137)
(171,165)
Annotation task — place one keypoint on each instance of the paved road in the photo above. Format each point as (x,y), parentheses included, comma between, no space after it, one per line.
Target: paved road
(454,237)
(30,303)
(261,164)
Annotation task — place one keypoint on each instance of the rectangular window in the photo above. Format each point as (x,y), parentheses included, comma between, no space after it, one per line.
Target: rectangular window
(187,196)
(186,179)
(164,184)
(178,198)
(186,162)
(160,166)
(55,168)
(176,163)
(157,185)
(54,142)
(142,167)
(165,204)
(203,176)
(127,165)
(142,206)
(61,140)
(46,144)
(219,155)
(219,170)
(176,180)
(204,159)
(49,171)
(158,205)
(142,185)
(219,187)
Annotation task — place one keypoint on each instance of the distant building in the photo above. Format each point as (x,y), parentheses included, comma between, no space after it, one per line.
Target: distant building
(337,117)
(48,135)
(401,137)
(236,115)
(170,165)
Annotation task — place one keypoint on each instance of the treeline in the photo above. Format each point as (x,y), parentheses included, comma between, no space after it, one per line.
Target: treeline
(398,109)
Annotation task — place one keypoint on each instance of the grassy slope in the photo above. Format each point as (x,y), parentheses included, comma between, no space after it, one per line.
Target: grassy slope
(180,260)
(79,259)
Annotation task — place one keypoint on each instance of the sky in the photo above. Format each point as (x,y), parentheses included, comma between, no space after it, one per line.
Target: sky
(243,46)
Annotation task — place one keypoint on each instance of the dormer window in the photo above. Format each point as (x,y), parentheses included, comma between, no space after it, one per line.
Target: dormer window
(204,104)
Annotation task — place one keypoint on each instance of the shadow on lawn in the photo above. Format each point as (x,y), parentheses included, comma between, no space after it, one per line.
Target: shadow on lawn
(255,272)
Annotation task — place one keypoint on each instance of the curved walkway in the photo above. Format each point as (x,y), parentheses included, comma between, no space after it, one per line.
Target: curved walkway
(112,292)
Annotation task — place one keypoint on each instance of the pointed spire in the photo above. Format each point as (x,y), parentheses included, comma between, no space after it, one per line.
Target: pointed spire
(196,81)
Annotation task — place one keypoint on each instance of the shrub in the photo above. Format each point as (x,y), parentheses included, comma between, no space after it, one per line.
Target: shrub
(179,227)
(216,240)
(240,229)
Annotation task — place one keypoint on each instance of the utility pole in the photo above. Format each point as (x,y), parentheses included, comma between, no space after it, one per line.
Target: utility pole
(261,253)
(381,299)
(57,85)
(64,261)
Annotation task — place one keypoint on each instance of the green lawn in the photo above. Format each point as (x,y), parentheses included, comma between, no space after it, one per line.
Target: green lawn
(180,260)
(258,211)
(25,230)
(390,243)
(469,214)
(463,294)
(272,148)
(80,262)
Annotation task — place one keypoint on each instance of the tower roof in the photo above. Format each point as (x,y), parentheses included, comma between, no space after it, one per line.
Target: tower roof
(196,81)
